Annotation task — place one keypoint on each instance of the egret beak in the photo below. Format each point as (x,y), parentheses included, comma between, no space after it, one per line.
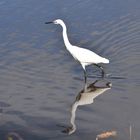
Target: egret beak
(49,22)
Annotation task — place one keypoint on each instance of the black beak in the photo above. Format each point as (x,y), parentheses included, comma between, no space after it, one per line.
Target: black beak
(48,22)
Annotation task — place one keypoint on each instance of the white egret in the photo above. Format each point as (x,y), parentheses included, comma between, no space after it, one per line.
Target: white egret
(82,55)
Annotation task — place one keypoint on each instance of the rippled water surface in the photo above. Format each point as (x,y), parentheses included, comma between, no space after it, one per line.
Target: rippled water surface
(40,81)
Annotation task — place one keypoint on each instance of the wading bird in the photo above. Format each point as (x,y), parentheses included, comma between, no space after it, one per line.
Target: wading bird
(82,55)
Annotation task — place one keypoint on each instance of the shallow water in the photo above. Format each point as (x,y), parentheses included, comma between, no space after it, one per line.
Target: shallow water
(39,80)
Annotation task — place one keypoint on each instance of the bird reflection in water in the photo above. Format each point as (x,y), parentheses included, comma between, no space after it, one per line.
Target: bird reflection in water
(87,96)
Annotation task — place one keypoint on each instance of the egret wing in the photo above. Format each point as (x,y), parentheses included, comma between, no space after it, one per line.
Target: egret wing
(85,56)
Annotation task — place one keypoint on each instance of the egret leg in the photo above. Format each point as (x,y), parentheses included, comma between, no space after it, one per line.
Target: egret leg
(85,75)
(103,72)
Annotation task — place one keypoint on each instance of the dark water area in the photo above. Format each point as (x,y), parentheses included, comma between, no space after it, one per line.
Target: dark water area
(40,81)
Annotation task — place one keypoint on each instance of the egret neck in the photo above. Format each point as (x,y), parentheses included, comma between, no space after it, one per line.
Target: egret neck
(65,37)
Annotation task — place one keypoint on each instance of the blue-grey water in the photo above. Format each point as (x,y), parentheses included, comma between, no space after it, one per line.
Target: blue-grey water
(39,80)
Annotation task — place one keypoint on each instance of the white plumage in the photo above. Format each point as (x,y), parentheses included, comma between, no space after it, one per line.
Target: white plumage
(84,56)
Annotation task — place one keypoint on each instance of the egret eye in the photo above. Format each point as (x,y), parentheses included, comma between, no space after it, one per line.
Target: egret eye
(55,22)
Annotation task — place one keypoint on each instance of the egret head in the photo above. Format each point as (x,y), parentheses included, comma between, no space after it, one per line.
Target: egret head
(57,21)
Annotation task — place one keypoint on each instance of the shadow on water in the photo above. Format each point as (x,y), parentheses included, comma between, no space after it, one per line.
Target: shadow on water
(108,76)
(86,96)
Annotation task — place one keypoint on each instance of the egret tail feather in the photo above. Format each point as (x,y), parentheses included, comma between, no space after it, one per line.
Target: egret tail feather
(105,60)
